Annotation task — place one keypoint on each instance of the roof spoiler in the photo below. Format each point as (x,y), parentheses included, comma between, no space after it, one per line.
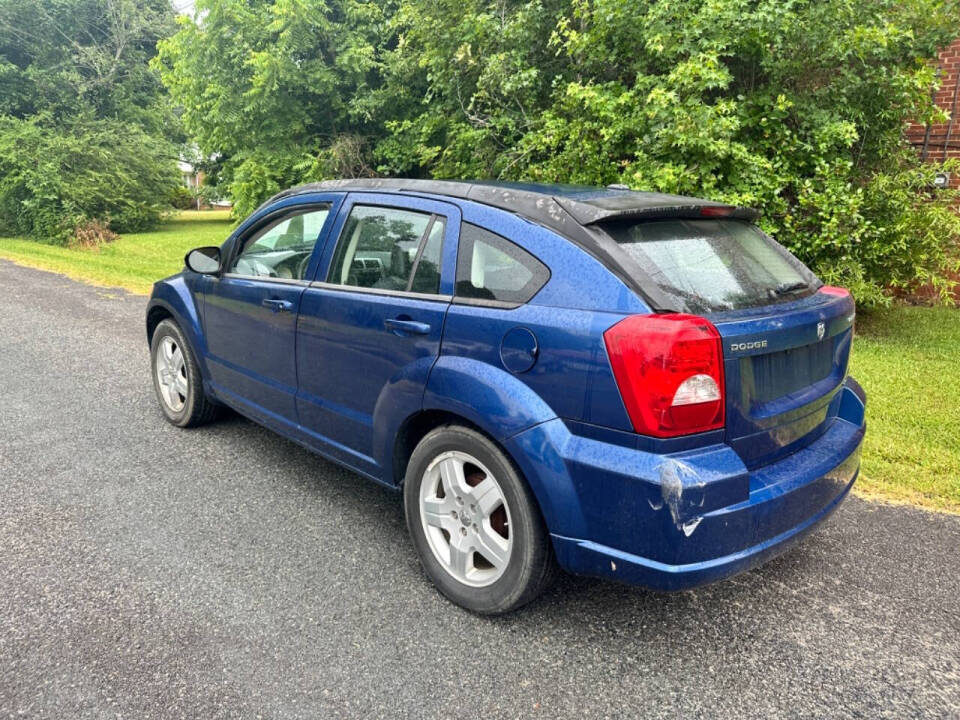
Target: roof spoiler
(649,206)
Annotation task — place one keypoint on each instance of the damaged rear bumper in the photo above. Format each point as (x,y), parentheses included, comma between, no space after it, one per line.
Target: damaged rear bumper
(589,558)
(677,521)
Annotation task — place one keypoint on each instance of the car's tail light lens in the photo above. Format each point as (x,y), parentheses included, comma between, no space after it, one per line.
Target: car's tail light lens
(669,369)
(832,290)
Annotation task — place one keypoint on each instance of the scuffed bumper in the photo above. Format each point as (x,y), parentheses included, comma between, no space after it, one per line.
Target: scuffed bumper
(678,521)
(588,558)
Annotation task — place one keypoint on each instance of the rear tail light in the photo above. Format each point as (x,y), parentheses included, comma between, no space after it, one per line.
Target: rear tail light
(669,369)
(832,290)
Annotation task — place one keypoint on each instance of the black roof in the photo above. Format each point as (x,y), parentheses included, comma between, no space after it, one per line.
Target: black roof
(574,211)
(541,202)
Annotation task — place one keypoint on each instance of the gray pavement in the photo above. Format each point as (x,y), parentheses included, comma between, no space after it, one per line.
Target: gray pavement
(147,571)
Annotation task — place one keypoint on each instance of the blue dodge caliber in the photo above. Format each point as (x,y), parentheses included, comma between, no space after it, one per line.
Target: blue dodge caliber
(630,385)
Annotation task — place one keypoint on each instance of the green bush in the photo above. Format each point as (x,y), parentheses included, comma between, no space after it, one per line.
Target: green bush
(86,133)
(795,108)
(183,198)
(54,179)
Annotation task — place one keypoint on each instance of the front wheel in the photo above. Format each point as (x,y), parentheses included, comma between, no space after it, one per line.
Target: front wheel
(475,523)
(176,378)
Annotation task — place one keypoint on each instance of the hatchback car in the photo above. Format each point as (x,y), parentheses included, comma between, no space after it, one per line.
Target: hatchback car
(629,385)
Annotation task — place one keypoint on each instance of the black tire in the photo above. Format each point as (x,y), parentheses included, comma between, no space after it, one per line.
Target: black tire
(531,566)
(197,408)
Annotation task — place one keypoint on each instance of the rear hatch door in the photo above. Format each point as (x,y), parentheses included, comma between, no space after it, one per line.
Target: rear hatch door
(784,366)
(786,339)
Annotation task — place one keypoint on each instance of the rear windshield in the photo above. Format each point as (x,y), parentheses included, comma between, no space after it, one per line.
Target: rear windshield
(714,265)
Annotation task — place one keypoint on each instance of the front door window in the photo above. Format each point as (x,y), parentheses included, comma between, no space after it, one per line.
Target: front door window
(282,248)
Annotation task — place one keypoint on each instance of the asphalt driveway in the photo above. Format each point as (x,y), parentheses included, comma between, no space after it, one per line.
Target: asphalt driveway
(147,571)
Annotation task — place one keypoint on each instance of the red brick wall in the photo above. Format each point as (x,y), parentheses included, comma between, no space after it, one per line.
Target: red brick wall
(941,141)
(936,141)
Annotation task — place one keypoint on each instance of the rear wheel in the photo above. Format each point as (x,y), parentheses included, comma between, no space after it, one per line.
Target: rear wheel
(475,522)
(176,378)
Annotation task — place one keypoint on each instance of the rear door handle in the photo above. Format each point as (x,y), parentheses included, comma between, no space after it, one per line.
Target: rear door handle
(404,326)
(277,305)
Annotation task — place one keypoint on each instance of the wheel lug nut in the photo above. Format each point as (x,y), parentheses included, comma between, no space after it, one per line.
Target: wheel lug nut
(463,531)
(453,514)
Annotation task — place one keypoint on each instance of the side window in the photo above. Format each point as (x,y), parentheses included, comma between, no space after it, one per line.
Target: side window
(379,247)
(283,248)
(490,267)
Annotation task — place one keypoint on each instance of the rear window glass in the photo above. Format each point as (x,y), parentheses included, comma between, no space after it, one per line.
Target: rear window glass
(490,267)
(714,265)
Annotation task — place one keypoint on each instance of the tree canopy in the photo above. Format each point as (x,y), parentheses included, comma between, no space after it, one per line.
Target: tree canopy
(86,128)
(791,106)
(282,90)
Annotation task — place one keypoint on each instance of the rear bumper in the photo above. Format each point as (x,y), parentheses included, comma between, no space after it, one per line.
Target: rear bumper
(672,522)
(584,557)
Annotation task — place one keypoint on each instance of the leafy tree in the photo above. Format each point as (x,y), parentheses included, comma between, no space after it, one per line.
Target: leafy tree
(281,90)
(55,178)
(482,74)
(85,125)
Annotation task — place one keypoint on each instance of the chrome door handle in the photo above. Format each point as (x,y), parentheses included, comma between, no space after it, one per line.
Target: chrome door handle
(277,305)
(402,326)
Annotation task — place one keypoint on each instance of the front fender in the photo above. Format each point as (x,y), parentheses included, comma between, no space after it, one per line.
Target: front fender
(177,298)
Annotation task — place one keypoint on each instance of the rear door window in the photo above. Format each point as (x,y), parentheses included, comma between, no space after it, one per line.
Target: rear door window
(714,265)
(380,248)
(492,268)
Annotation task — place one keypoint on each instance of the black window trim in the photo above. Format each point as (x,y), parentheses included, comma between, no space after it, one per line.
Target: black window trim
(485,302)
(265,223)
(481,302)
(324,285)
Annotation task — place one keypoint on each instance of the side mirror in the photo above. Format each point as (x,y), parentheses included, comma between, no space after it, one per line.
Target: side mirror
(204,260)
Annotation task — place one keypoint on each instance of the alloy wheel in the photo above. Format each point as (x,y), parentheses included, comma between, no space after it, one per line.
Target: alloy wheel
(466,519)
(171,370)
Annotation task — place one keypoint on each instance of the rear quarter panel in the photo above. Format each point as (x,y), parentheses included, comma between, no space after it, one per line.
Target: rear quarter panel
(571,377)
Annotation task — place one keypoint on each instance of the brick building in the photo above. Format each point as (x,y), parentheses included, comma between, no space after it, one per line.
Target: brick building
(936,143)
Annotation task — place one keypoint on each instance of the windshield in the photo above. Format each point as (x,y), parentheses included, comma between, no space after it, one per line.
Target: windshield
(714,265)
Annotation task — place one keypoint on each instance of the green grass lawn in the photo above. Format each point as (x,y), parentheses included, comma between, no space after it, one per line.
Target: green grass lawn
(133,262)
(907,358)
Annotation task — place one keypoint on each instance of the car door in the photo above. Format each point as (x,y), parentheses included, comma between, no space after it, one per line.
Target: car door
(369,327)
(250,310)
